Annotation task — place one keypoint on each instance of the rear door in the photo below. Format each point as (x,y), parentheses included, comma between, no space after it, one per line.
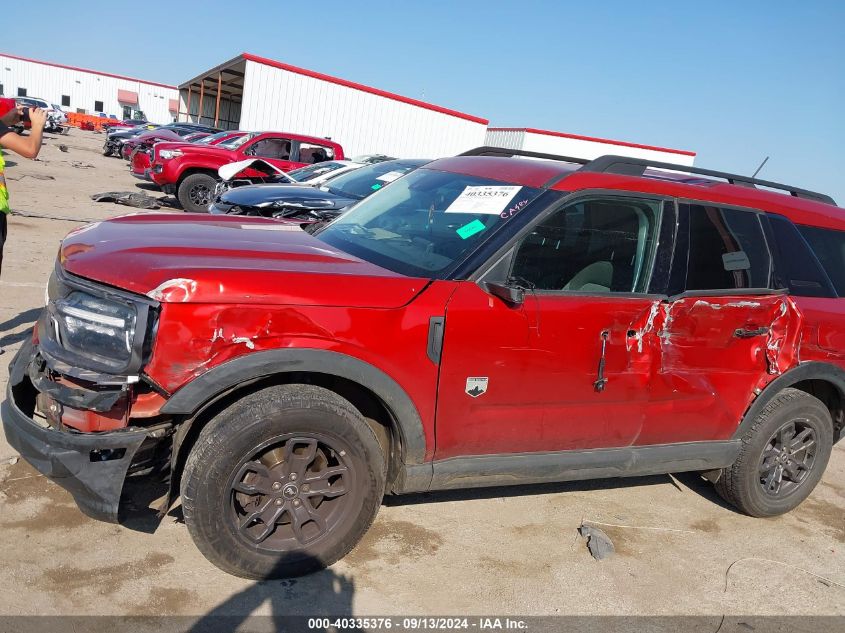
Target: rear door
(724,333)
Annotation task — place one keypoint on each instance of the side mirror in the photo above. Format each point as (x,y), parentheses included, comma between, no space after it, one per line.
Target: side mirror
(512,295)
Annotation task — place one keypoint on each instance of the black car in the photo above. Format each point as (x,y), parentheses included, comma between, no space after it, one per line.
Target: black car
(309,204)
(114,140)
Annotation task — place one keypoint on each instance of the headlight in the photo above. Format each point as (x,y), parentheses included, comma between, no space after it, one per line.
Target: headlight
(167,154)
(91,325)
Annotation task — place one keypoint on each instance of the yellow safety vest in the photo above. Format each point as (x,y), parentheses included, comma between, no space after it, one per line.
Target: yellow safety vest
(4,193)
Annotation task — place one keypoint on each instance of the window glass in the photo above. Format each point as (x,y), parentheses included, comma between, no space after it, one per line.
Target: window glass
(65,100)
(98,106)
(426,223)
(278,148)
(601,245)
(727,250)
(311,154)
(21,92)
(797,267)
(829,246)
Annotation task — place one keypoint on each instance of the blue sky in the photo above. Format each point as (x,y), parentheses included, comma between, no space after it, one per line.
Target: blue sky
(733,81)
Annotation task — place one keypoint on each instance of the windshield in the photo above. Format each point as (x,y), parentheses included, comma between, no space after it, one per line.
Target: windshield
(211,138)
(237,141)
(427,222)
(304,174)
(360,183)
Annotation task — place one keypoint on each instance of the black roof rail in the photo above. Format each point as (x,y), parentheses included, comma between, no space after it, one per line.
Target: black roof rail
(627,166)
(489,150)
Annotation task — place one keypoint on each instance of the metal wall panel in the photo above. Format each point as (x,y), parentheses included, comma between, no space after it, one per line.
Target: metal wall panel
(362,122)
(511,139)
(49,82)
(579,148)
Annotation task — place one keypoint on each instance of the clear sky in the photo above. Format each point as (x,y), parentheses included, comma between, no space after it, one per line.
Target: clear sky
(733,81)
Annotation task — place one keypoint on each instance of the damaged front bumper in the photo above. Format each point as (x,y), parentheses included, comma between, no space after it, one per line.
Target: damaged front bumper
(91,466)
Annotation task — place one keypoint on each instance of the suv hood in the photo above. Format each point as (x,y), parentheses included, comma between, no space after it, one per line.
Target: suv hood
(202,259)
(211,152)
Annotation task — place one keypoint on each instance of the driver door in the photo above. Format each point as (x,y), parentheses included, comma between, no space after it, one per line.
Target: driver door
(566,369)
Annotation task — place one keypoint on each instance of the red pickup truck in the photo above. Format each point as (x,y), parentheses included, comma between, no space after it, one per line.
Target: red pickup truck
(191,171)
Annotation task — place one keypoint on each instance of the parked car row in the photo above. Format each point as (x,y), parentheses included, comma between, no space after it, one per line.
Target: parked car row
(115,140)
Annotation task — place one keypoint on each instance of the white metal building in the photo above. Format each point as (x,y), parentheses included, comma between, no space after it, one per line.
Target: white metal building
(86,91)
(255,93)
(574,145)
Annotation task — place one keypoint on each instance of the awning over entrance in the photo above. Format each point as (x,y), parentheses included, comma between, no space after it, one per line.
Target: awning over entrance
(128,97)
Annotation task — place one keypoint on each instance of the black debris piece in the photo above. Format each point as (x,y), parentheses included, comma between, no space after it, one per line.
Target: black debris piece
(598,542)
(63,148)
(129,198)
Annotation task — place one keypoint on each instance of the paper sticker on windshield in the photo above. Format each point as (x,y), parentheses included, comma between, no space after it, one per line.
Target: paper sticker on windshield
(489,200)
(468,230)
(390,176)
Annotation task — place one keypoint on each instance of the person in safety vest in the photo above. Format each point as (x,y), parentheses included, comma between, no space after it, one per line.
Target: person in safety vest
(27,146)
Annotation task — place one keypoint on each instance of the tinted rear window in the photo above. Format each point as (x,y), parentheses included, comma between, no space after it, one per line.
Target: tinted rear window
(829,246)
(727,250)
(797,267)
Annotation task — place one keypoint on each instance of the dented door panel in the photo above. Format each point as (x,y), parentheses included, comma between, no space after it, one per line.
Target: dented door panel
(714,352)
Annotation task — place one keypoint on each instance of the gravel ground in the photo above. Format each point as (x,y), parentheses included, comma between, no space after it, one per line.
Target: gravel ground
(680,550)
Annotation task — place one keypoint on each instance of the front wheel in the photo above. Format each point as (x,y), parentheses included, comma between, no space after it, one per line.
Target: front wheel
(283,482)
(196,192)
(783,456)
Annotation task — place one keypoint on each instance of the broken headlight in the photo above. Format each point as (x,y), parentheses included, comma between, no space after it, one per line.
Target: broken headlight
(89,325)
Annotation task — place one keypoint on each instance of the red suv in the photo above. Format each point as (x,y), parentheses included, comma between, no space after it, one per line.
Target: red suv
(484,320)
(191,171)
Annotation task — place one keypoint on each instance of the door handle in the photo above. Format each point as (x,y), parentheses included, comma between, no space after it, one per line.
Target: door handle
(601,381)
(750,333)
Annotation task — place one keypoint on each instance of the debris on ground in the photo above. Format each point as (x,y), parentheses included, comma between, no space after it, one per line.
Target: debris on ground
(63,148)
(598,542)
(129,198)
(81,165)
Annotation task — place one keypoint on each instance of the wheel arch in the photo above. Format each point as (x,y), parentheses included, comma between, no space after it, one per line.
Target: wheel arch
(825,381)
(190,171)
(366,386)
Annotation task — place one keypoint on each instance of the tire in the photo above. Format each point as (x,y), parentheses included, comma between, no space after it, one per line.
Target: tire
(193,190)
(752,483)
(106,150)
(242,468)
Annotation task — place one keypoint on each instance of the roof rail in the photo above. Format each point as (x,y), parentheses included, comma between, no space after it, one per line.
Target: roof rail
(489,150)
(627,166)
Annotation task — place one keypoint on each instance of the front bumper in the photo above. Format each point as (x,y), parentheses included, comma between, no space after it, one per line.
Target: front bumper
(91,466)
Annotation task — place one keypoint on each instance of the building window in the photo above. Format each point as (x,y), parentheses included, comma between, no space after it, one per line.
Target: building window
(1,90)
(21,92)
(65,100)
(98,106)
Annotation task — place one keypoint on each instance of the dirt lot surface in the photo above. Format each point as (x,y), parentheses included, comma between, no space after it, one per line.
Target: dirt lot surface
(500,551)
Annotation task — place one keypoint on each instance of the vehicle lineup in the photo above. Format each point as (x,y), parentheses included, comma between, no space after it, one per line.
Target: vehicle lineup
(350,329)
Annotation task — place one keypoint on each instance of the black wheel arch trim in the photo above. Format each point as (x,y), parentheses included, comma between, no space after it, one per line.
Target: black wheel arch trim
(810,370)
(191,398)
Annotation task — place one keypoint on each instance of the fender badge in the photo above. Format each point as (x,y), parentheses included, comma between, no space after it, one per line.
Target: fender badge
(476,386)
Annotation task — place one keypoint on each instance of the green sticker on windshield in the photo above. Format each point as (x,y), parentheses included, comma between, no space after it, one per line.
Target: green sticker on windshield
(376,187)
(468,230)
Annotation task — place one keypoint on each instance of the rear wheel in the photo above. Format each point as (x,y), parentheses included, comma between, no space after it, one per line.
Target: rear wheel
(284,482)
(783,456)
(196,192)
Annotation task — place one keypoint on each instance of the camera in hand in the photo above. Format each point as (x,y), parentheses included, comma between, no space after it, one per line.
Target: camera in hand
(25,115)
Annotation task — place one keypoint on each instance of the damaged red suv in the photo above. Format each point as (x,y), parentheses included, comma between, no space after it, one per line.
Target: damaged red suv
(484,320)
